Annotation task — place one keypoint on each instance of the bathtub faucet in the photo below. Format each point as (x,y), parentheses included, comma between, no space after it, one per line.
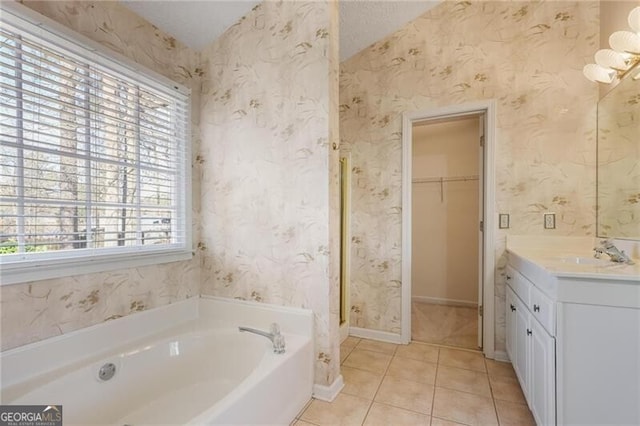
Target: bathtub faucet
(276,338)
(607,247)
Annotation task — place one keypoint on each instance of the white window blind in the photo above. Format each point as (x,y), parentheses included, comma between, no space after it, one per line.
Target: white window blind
(93,156)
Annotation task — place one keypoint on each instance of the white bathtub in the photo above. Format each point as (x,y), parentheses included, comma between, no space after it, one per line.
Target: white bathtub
(185,363)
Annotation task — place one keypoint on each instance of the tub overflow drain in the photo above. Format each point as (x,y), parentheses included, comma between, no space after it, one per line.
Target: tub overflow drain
(107,371)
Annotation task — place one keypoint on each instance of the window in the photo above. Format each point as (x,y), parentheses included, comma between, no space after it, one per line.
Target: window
(93,156)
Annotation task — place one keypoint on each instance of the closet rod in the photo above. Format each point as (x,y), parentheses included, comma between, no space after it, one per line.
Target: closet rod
(444,179)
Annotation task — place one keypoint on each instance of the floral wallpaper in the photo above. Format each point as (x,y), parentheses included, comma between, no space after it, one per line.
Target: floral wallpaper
(269,171)
(618,159)
(265,171)
(34,311)
(526,55)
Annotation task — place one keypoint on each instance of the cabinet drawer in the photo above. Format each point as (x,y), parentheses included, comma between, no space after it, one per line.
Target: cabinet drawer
(543,310)
(520,285)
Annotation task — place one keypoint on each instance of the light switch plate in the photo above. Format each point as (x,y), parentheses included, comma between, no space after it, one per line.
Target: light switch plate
(549,221)
(503,223)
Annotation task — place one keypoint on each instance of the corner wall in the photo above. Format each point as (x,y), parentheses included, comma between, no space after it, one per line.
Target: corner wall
(269,170)
(526,55)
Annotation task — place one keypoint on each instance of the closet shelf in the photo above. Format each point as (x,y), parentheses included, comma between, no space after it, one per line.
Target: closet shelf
(444,179)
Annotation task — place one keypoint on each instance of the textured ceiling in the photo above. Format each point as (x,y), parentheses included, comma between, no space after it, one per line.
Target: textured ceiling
(198,23)
(194,23)
(363,22)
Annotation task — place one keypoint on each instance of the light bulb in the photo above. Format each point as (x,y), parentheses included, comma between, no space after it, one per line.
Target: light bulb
(597,73)
(634,19)
(608,58)
(625,41)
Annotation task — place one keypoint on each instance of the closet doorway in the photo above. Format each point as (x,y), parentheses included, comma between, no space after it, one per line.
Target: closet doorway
(446,214)
(448,197)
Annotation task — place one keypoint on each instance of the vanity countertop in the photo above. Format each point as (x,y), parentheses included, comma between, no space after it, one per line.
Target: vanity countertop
(572,257)
(565,270)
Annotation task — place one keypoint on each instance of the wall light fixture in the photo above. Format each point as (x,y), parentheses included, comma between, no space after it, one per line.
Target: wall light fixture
(623,56)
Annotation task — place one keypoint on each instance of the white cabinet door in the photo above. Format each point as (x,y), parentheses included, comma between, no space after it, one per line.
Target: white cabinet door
(520,364)
(531,349)
(542,390)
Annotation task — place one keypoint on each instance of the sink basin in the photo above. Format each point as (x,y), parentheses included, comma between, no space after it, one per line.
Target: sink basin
(583,260)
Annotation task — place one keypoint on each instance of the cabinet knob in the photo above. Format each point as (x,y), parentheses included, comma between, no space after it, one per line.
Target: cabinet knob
(529,332)
(508,277)
(513,308)
(536,308)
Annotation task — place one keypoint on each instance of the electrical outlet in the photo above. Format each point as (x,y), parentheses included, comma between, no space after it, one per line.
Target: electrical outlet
(549,221)
(504,221)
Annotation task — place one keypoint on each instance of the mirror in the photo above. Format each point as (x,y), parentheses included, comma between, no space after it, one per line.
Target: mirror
(618,182)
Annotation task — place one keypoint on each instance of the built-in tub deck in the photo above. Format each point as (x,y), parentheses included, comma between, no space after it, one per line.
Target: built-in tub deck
(201,371)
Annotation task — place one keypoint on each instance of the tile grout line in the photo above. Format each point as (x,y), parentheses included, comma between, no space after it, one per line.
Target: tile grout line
(485,373)
(493,399)
(402,408)
(438,363)
(349,350)
(433,398)
(467,392)
(445,346)
(307,421)
(379,385)
(462,368)
(300,414)
(394,355)
(523,402)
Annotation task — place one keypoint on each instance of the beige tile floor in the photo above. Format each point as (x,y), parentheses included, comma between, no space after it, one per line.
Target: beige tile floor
(420,384)
(444,325)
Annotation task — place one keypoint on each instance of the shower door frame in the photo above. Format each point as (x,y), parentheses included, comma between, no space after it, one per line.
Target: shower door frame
(488,109)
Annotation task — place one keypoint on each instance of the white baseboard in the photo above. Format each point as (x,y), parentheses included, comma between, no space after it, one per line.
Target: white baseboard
(501,356)
(383,336)
(441,301)
(328,393)
(344,331)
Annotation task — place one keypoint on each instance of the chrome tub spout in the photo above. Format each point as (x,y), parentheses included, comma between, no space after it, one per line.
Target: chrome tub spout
(275,336)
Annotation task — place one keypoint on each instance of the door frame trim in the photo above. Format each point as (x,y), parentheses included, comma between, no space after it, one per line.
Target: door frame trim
(488,108)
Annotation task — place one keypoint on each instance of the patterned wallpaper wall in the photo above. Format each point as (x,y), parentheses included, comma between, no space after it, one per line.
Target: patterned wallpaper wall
(618,161)
(269,181)
(34,311)
(526,55)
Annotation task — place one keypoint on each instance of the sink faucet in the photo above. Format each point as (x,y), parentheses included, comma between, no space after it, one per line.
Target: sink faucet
(607,247)
(276,338)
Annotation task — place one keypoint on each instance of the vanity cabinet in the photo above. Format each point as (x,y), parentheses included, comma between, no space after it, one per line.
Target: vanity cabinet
(531,346)
(573,337)
(542,386)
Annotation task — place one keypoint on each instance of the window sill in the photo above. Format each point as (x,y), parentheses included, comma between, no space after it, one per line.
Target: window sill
(43,270)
